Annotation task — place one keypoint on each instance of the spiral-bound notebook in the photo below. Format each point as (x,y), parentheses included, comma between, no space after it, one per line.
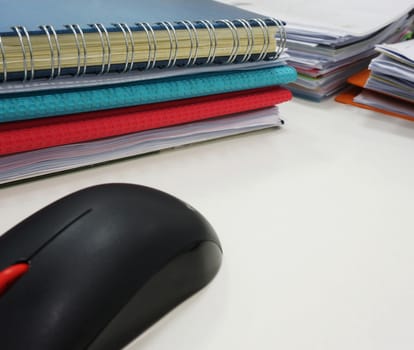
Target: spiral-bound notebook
(49,132)
(48,39)
(14,108)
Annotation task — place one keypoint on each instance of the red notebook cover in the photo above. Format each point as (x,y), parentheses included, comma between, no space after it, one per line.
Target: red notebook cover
(47,132)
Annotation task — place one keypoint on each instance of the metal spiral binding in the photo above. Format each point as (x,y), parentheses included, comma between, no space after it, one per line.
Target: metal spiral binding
(101,28)
(263,26)
(126,46)
(59,59)
(85,55)
(196,41)
(77,46)
(213,40)
(282,37)
(236,28)
(22,46)
(152,44)
(124,29)
(236,40)
(76,29)
(46,29)
(17,30)
(29,43)
(102,46)
(193,50)
(172,35)
(3,55)
(131,38)
(250,39)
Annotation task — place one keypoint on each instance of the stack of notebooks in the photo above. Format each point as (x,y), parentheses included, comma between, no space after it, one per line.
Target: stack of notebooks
(77,95)
(330,40)
(388,85)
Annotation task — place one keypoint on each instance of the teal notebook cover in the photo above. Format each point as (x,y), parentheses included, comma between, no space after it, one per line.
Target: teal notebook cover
(16,107)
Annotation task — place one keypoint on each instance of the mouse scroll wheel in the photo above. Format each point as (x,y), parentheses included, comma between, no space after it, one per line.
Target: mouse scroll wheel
(10,275)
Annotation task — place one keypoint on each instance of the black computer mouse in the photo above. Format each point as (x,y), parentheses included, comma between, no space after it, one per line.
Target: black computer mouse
(96,268)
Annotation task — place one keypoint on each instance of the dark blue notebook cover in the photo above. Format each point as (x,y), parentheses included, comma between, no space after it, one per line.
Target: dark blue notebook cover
(32,13)
(25,20)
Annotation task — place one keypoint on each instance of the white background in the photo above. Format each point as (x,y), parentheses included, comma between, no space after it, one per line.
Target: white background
(315,220)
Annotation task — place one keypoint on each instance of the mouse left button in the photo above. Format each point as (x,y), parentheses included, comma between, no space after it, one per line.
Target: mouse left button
(10,275)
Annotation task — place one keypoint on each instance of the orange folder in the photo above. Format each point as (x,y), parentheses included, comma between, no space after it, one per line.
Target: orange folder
(348,95)
(360,79)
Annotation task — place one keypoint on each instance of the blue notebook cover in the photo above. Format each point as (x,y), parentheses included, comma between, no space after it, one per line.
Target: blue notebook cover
(29,106)
(32,13)
(34,35)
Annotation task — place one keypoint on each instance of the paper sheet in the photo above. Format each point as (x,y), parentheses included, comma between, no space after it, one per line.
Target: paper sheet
(333,17)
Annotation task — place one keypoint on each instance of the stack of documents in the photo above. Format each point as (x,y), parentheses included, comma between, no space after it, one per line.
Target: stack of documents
(388,85)
(392,72)
(81,94)
(330,40)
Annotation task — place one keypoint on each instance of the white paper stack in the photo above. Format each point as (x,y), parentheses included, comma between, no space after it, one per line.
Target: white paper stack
(330,40)
(390,86)
(392,72)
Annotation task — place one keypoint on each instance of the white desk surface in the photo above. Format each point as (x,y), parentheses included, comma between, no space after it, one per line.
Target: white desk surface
(316,222)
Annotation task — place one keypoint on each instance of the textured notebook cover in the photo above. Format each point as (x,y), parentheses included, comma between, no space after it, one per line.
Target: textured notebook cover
(14,108)
(41,133)
(42,162)
(347,97)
